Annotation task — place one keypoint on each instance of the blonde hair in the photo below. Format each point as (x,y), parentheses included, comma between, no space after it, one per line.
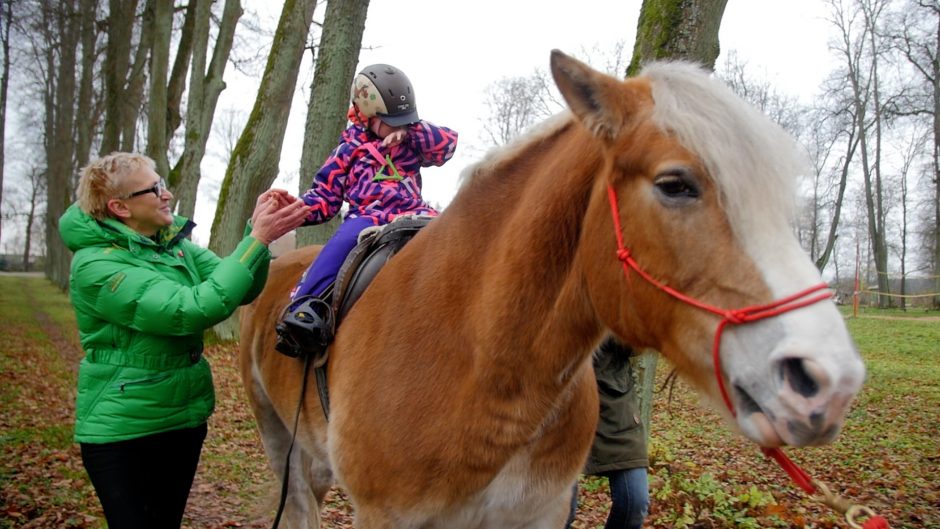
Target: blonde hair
(102,179)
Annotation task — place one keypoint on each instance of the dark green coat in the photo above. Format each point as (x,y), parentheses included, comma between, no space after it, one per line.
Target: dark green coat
(620,442)
(142,306)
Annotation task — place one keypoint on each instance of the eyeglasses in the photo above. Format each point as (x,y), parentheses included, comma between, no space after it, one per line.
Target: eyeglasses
(157,189)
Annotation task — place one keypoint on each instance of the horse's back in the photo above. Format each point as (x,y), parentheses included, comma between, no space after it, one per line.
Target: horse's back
(258,318)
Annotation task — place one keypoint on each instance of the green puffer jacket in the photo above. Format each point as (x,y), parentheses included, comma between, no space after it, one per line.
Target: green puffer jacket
(142,305)
(620,441)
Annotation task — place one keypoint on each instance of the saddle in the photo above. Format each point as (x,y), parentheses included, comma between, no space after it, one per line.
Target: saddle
(375,247)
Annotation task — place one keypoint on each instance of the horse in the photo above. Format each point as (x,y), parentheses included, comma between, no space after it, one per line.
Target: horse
(461,388)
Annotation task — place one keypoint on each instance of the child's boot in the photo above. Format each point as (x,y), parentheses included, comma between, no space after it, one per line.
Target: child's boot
(305,327)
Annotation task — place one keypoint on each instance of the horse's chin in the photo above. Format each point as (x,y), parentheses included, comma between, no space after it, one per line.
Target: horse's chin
(758,428)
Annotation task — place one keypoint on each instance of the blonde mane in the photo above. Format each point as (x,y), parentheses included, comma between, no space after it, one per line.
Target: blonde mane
(754,162)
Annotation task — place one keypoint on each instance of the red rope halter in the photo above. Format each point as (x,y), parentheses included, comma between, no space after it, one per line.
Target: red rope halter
(740,316)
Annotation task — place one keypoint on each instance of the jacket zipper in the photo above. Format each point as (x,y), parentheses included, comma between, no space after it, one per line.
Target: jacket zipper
(150,380)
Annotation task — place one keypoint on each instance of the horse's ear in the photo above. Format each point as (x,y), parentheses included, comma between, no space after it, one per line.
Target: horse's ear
(589,93)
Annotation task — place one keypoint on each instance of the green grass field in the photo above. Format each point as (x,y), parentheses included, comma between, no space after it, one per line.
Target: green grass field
(888,456)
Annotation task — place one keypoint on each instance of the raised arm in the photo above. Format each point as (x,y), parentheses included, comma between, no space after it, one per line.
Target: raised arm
(434,145)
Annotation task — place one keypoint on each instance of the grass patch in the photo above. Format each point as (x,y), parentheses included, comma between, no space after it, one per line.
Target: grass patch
(886,457)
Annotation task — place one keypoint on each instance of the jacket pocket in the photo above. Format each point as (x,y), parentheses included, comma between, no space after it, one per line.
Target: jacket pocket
(93,383)
(139,383)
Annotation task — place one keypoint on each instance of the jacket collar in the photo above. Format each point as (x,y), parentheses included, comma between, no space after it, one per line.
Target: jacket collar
(165,238)
(80,230)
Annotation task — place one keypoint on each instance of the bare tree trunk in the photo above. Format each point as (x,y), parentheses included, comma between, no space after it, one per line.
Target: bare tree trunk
(6,11)
(86,123)
(185,193)
(861,78)
(919,43)
(162,22)
(254,163)
(672,29)
(677,29)
(903,300)
(205,87)
(59,150)
(339,47)
(874,225)
(851,145)
(116,64)
(133,97)
(873,180)
(934,79)
(177,86)
(37,188)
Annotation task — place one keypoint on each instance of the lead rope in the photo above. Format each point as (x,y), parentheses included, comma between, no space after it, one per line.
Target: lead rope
(293,436)
(741,316)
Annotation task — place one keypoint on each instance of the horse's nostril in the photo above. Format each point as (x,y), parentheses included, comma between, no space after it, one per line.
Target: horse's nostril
(795,373)
(746,403)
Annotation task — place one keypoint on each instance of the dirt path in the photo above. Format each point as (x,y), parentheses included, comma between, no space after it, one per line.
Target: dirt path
(69,349)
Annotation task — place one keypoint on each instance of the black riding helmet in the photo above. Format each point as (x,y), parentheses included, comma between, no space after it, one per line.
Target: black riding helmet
(384,91)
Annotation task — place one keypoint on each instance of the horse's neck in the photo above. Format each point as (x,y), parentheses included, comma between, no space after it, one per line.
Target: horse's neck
(535,323)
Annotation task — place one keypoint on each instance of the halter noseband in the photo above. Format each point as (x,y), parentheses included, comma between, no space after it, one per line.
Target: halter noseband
(740,316)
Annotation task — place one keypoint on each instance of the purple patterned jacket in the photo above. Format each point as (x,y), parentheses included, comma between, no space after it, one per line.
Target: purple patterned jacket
(355,172)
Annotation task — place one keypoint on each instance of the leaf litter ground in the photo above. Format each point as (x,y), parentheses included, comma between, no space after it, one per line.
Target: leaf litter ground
(702,476)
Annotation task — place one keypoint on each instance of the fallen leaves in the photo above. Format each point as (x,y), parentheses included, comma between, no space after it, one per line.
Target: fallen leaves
(887,456)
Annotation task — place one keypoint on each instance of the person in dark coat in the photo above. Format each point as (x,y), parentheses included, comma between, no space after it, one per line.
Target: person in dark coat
(619,449)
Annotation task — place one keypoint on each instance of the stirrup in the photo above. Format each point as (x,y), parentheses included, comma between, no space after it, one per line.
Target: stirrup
(307,329)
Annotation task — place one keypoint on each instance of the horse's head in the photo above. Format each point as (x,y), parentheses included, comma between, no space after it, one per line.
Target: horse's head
(702,185)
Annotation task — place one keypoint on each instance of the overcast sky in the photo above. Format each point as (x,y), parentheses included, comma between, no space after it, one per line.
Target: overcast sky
(452,50)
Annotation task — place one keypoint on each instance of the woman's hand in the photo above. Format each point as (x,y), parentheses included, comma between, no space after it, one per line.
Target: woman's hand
(279,197)
(276,213)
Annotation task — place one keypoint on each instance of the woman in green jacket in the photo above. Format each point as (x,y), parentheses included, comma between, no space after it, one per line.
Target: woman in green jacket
(143,295)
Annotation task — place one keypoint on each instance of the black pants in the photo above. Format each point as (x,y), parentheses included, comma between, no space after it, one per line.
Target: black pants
(144,483)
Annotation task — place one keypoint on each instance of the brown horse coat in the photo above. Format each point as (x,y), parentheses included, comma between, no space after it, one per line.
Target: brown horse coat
(469,401)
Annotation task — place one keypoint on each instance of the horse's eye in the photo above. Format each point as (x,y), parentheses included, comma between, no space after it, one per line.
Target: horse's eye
(676,186)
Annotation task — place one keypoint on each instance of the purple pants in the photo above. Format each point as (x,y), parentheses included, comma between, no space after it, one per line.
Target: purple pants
(326,266)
